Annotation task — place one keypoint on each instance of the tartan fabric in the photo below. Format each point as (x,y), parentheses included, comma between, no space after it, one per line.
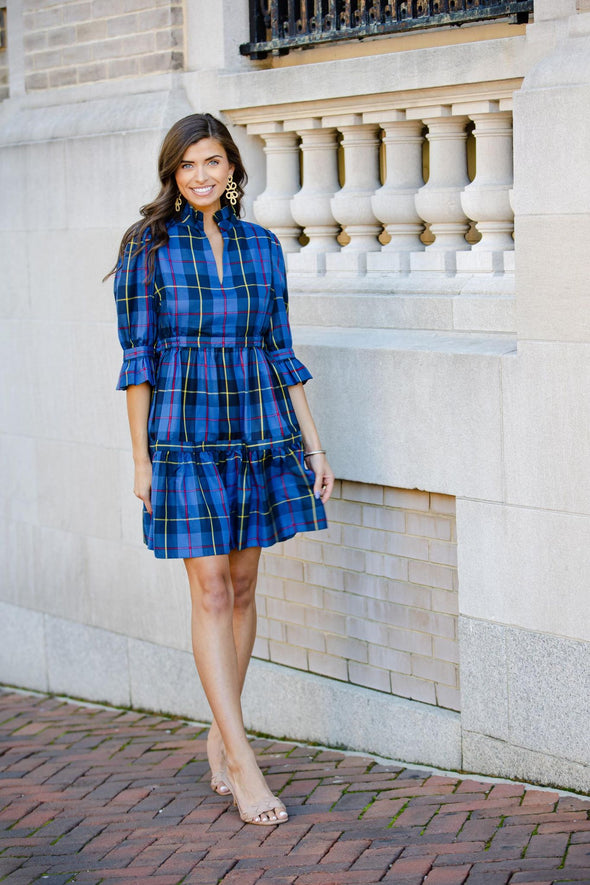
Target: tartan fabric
(227,457)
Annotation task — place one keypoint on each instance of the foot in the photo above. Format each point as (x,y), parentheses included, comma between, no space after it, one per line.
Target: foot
(217,763)
(256,804)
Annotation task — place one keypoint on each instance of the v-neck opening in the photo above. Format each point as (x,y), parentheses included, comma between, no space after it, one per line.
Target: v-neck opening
(220,276)
(225,219)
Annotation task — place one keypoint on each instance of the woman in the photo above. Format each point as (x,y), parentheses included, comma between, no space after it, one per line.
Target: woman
(227,456)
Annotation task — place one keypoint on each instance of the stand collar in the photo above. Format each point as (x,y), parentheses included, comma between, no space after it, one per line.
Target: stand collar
(225,217)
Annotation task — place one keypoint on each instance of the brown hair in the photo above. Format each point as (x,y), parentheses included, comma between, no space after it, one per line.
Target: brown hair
(189,130)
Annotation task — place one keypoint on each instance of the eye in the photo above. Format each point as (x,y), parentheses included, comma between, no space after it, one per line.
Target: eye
(214,162)
(186,165)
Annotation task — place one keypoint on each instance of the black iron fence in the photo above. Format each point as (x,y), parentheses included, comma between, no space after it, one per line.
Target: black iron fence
(280,25)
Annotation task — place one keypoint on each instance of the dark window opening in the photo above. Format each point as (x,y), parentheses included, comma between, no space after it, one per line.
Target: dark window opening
(2,27)
(280,25)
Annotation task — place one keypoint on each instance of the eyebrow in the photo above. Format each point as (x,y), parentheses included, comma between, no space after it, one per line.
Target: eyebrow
(213,157)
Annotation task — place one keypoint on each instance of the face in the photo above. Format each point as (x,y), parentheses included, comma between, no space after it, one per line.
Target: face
(203,173)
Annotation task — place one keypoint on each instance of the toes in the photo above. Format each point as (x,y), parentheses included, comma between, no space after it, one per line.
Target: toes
(266,817)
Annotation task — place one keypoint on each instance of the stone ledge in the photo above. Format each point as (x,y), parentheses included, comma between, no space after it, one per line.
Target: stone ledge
(312,708)
(486,754)
(403,341)
(436,312)
(304,706)
(465,66)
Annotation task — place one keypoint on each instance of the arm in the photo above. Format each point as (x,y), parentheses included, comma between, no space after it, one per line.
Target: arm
(137,322)
(279,343)
(138,407)
(324,477)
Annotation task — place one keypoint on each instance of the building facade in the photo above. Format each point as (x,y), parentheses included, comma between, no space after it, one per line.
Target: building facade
(431,191)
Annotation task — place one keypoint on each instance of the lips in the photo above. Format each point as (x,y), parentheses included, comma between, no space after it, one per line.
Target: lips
(202,191)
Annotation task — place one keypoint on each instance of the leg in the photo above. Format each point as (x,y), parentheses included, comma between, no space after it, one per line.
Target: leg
(217,663)
(243,566)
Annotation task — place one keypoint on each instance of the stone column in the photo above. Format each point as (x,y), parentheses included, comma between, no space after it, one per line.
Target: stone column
(439,200)
(487,198)
(393,204)
(310,206)
(272,208)
(351,206)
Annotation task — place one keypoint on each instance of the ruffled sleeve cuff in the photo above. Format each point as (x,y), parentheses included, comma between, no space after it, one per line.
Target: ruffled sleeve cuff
(289,368)
(138,366)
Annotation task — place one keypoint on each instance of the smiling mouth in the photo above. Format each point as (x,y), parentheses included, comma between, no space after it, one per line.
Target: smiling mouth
(202,191)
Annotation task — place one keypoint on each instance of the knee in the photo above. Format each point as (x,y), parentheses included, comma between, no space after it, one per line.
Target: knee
(244,590)
(213,596)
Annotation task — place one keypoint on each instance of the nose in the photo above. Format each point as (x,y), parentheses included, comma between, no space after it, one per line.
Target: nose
(200,174)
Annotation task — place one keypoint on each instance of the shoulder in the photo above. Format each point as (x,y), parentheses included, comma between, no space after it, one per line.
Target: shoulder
(136,239)
(176,225)
(251,230)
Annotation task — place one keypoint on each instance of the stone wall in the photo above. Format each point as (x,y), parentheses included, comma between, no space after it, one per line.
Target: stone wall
(371,601)
(494,421)
(83,41)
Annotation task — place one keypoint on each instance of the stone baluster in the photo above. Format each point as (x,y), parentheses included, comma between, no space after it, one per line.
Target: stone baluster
(351,206)
(310,206)
(393,204)
(438,202)
(272,208)
(487,198)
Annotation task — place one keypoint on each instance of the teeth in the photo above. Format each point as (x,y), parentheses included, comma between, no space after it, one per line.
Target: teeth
(202,190)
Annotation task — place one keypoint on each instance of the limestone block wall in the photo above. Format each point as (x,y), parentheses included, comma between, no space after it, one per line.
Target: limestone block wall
(75,42)
(372,601)
(494,421)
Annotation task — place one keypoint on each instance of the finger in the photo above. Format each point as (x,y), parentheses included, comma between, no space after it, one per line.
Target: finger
(318,484)
(328,488)
(146,499)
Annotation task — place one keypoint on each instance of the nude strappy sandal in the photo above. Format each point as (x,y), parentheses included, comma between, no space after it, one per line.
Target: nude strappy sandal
(250,814)
(218,785)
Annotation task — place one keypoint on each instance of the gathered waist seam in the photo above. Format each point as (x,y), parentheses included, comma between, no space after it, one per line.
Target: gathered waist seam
(207,341)
(293,441)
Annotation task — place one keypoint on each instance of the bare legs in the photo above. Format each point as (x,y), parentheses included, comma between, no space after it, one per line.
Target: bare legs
(243,566)
(223,636)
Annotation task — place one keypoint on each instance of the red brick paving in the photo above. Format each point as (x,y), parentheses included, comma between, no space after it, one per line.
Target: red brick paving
(96,796)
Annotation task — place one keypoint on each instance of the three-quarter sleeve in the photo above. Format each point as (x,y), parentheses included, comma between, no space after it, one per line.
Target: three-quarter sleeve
(279,343)
(137,317)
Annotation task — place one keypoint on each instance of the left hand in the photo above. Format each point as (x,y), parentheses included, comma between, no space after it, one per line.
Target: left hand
(324,476)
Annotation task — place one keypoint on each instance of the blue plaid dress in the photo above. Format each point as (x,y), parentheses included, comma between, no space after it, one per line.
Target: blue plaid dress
(227,457)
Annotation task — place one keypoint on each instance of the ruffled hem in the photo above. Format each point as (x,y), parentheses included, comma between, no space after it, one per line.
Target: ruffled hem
(209,502)
(290,370)
(138,366)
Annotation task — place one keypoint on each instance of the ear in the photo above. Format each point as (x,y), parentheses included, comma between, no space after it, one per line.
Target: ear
(232,169)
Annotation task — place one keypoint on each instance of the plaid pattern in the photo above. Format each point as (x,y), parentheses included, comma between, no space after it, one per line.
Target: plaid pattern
(228,469)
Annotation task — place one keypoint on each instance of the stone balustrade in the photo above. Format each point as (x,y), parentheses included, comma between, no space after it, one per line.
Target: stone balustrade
(368,186)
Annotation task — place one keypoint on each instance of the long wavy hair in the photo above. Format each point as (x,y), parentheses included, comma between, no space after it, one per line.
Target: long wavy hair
(151,228)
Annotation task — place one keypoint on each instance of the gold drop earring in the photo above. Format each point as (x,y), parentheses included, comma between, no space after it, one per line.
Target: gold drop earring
(231,191)
(178,203)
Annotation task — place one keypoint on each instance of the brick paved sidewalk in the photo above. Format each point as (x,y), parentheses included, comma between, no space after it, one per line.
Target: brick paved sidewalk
(94,794)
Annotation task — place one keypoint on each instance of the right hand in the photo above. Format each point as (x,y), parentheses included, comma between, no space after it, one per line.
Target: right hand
(324,476)
(142,483)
